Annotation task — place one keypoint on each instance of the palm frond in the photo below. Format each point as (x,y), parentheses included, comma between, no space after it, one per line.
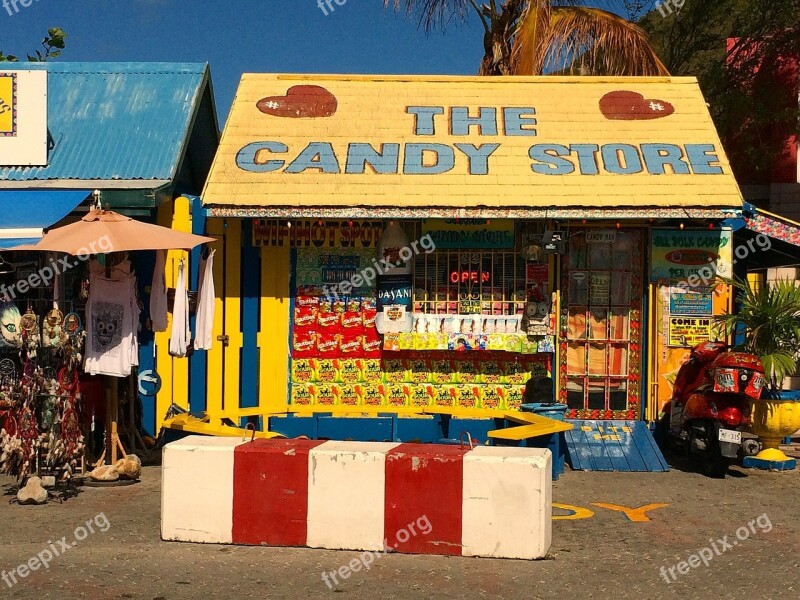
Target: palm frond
(433,13)
(769,318)
(592,39)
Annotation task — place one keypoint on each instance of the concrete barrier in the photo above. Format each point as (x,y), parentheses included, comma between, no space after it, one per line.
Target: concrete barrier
(412,498)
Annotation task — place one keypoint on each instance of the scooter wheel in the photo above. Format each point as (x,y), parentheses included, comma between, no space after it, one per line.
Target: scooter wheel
(750,447)
(714,464)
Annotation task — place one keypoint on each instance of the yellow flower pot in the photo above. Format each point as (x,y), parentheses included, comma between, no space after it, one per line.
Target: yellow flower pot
(773,420)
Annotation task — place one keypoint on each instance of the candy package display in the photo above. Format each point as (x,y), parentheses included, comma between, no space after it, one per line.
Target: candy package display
(418,369)
(349,395)
(351,346)
(515,373)
(303,394)
(327,394)
(466,371)
(305,316)
(329,344)
(394,371)
(372,395)
(490,371)
(515,396)
(328,370)
(396,394)
(370,370)
(421,395)
(467,396)
(304,343)
(442,371)
(444,395)
(370,344)
(391,342)
(303,370)
(492,397)
(349,371)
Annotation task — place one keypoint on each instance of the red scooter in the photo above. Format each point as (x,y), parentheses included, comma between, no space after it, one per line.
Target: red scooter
(710,404)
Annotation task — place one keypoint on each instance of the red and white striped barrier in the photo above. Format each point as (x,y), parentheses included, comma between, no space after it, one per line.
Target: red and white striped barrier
(414,498)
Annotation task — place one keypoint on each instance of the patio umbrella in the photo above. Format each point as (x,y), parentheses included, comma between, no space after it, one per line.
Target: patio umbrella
(104,231)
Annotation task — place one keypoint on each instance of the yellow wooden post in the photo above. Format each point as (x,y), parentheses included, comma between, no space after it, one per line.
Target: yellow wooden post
(273,331)
(233,315)
(182,221)
(163,360)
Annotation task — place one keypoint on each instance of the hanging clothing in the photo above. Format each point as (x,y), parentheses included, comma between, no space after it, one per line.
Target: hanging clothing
(112,319)
(180,336)
(158,294)
(205,304)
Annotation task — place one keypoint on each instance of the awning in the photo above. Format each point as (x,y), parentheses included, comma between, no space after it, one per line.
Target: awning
(24,214)
(775,226)
(765,239)
(349,146)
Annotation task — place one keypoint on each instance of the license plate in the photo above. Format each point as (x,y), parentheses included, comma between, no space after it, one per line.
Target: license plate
(728,435)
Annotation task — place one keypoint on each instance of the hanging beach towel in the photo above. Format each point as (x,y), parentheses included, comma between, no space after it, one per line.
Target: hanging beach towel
(179,339)
(158,294)
(205,305)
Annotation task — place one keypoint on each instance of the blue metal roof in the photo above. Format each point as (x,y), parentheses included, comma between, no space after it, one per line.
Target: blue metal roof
(116,121)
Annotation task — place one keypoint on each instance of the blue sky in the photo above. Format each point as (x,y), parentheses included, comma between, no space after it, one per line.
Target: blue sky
(237,36)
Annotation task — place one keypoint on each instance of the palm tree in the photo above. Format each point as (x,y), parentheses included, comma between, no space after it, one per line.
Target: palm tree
(534,37)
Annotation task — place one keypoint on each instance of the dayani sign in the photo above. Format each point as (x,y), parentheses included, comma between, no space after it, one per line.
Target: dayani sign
(363,142)
(489,123)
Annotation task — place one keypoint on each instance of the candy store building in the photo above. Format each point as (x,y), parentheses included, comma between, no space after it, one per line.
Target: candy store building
(388,244)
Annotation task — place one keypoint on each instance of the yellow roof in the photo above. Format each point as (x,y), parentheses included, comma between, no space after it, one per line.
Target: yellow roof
(329,143)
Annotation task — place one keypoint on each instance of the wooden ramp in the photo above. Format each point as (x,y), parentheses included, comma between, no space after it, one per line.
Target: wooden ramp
(613,446)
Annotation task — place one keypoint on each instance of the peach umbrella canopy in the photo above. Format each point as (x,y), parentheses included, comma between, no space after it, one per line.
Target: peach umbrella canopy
(105,231)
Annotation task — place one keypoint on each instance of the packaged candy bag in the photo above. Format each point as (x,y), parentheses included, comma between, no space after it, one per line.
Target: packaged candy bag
(444,395)
(397,394)
(303,394)
(372,395)
(466,371)
(349,371)
(303,370)
(418,369)
(515,397)
(393,370)
(349,395)
(370,370)
(304,343)
(490,371)
(327,394)
(328,345)
(421,395)
(351,346)
(493,397)
(328,370)
(466,397)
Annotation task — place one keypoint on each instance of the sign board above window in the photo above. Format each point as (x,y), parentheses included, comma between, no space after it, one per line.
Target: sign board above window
(23,118)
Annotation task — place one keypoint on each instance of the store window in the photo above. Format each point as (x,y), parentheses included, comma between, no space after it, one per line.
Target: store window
(600,328)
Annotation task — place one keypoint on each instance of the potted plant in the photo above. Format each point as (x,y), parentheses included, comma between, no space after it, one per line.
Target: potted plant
(768,320)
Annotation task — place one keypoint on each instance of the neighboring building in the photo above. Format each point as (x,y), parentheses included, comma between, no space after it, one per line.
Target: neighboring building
(144,134)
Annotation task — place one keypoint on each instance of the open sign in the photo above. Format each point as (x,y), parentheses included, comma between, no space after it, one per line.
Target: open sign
(463,277)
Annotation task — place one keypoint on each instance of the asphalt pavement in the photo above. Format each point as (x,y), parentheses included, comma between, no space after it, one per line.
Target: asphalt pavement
(615,535)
